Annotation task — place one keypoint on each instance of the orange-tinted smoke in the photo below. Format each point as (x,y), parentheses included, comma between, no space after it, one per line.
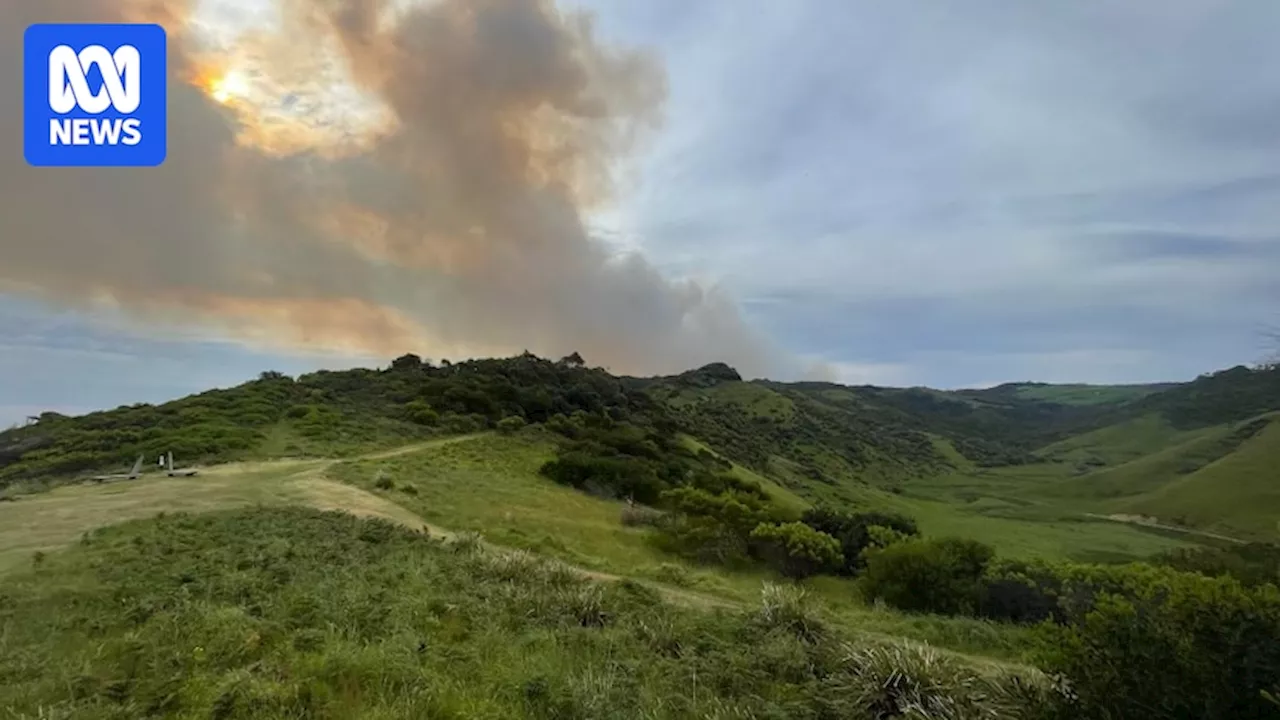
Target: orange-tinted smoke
(451,226)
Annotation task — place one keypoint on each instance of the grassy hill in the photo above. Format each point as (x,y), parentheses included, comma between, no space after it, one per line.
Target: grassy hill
(1021,450)
(1073,394)
(1236,491)
(287,612)
(322,414)
(780,541)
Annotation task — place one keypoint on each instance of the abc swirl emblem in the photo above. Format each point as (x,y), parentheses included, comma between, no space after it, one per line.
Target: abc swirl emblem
(94,95)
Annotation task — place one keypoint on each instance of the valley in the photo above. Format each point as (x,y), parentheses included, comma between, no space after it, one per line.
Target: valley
(649,488)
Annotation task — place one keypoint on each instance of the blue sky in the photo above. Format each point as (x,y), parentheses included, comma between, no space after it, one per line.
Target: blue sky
(918,193)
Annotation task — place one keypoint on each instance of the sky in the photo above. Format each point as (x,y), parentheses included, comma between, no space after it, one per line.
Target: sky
(920,192)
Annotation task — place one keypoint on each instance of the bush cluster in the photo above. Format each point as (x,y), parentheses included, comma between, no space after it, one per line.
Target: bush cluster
(1134,640)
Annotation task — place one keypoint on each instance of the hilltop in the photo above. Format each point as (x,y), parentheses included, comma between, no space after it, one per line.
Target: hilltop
(1195,454)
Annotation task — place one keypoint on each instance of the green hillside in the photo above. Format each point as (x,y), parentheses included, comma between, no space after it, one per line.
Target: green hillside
(1021,451)
(1076,394)
(780,540)
(1237,492)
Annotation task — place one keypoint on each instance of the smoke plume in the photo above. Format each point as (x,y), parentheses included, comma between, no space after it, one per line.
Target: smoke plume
(440,211)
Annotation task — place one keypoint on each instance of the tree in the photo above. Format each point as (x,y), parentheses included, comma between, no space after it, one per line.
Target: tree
(407,362)
(713,526)
(939,576)
(796,549)
(510,424)
(853,531)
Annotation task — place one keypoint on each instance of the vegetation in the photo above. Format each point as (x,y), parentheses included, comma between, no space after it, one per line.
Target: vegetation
(294,613)
(855,532)
(1168,644)
(939,576)
(491,484)
(330,414)
(1134,640)
(796,549)
(883,507)
(1252,564)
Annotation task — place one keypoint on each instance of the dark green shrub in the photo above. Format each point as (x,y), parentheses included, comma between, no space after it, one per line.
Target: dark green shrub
(852,531)
(1252,564)
(938,576)
(510,424)
(421,413)
(797,550)
(459,424)
(605,476)
(1021,592)
(1170,644)
(561,425)
(714,527)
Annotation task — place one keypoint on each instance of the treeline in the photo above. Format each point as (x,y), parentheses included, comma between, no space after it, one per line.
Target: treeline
(888,430)
(323,413)
(1221,397)
(987,427)
(824,440)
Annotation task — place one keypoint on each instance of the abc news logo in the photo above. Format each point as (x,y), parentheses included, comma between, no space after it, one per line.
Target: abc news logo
(69,89)
(94,95)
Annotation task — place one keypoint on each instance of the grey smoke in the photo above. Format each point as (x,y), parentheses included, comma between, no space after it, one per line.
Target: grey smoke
(459,232)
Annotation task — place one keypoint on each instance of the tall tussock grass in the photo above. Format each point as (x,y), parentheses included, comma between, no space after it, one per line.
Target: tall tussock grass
(293,613)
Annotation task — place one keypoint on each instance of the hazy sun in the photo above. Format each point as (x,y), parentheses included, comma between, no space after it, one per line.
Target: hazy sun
(230,86)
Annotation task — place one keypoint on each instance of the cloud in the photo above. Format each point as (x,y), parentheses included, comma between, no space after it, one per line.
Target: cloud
(453,227)
(924,193)
(878,181)
(70,363)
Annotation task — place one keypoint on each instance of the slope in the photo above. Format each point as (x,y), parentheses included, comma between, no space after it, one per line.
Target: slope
(824,434)
(466,486)
(1238,493)
(1200,455)
(285,613)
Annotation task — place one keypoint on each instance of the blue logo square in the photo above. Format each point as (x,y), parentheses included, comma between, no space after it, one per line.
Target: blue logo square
(94,95)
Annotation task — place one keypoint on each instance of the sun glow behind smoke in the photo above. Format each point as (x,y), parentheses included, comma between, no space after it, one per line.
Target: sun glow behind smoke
(287,97)
(229,87)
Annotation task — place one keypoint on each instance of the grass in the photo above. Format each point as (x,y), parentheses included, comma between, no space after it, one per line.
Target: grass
(1237,494)
(1122,442)
(755,400)
(46,521)
(1032,531)
(491,485)
(1001,507)
(780,495)
(483,483)
(289,612)
(1080,394)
